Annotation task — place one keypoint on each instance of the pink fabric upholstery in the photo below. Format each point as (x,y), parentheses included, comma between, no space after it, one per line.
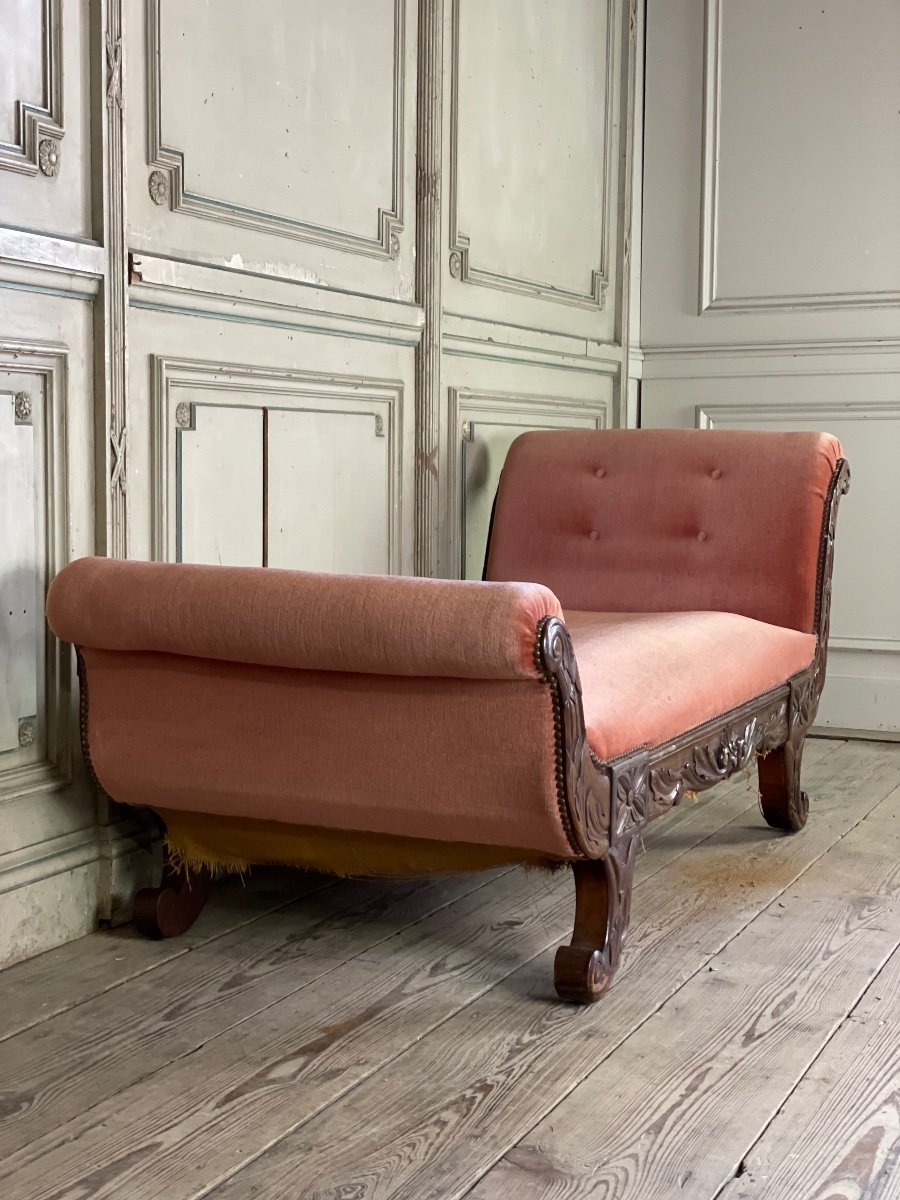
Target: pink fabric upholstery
(365,623)
(667,520)
(453,759)
(647,677)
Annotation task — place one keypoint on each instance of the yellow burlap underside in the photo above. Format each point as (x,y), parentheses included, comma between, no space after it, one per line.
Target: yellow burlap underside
(235,843)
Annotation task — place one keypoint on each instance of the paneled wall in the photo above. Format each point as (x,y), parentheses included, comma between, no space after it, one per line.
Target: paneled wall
(771,271)
(280,288)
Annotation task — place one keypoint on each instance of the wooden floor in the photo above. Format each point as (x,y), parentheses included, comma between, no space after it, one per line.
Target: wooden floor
(363,1040)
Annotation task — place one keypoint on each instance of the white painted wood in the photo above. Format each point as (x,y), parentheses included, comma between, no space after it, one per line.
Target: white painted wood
(329,499)
(48,888)
(530,117)
(19,578)
(775,195)
(285,146)
(326,97)
(809,181)
(220,479)
(531,148)
(21,55)
(346,508)
(45,91)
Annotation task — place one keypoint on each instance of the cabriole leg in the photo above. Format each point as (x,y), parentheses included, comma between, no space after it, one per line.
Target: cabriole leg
(584,969)
(172,908)
(784,805)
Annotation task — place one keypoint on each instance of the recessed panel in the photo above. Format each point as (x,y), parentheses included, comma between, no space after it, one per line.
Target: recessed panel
(329,505)
(806,154)
(220,487)
(19,569)
(21,65)
(530,143)
(287,120)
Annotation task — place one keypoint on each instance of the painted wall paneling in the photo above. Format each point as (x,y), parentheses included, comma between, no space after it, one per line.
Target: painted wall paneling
(531,201)
(771,271)
(283,146)
(770,208)
(278,467)
(230,251)
(532,151)
(45,137)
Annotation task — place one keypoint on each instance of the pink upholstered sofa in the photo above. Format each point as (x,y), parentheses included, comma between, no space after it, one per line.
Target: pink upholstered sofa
(654,618)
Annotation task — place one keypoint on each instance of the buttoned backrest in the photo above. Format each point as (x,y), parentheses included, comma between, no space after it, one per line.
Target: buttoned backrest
(666,520)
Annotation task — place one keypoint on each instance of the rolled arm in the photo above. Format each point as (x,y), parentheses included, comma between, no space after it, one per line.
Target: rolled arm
(385,625)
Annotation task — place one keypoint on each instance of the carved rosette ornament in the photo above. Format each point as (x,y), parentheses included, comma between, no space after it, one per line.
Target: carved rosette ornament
(456,264)
(27,732)
(158,186)
(184,416)
(22,408)
(48,156)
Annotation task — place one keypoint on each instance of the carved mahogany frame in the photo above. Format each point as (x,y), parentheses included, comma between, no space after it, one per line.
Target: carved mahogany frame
(604,805)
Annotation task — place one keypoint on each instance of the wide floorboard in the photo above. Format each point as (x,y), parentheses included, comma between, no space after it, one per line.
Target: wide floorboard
(370,1040)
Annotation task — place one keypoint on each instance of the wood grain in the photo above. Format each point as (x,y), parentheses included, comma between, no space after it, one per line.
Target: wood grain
(838,1136)
(67,1064)
(672,1111)
(51,983)
(431,1122)
(219,1106)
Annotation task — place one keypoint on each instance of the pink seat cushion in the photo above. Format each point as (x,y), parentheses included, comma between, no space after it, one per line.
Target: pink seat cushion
(648,677)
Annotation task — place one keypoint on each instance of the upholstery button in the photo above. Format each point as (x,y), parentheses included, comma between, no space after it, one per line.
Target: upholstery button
(702,535)
(593,535)
(716,473)
(600,472)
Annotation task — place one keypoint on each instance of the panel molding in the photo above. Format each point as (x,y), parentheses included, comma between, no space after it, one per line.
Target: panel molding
(847,346)
(280,386)
(224,294)
(499,404)
(47,363)
(707,414)
(40,123)
(166,163)
(114,366)
(461,264)
(429,279)
(711,303)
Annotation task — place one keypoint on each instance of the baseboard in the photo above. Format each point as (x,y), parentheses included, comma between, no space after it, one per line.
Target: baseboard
(64,887)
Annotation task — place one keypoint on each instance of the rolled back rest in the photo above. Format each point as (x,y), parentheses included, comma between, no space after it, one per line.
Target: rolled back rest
(664,520)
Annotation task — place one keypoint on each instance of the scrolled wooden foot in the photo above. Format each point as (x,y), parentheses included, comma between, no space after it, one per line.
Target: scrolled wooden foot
(783,802)
(172,908)
(584,969)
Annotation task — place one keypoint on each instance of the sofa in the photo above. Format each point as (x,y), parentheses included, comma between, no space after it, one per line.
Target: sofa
(653,618)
